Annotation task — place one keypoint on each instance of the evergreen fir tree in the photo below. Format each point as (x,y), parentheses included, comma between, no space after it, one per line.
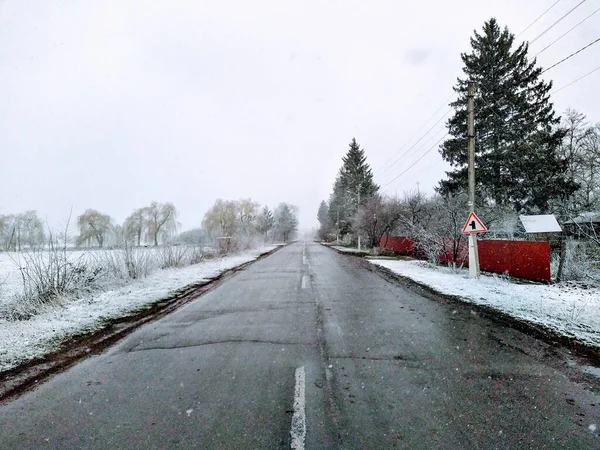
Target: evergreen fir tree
(517,134)
(265,221)
(353,186)
(286,222)
(323,217)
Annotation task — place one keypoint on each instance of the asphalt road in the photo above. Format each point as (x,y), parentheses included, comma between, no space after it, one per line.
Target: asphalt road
(311,349)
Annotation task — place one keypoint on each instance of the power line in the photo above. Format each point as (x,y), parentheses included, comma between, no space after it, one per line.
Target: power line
(542,15)
(531,42)
(575,81)
(570,56)
(556,40)
(416,134)
(424,143)
(413,164)
(418,140)
(556,23)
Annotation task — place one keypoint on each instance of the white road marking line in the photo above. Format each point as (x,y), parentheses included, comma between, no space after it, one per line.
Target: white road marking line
(298,429)
(304,281)
(304,261)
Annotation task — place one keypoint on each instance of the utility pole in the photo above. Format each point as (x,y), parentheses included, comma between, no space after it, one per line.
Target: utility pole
(337,226)
(357,207)
(473,253)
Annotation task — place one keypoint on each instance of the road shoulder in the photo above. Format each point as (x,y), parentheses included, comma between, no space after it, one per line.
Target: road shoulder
(81,345)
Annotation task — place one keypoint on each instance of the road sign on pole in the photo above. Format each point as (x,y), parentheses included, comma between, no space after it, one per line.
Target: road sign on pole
(474,225)
(473,253)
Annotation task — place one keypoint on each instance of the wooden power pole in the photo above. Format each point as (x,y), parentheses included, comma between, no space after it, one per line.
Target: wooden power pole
(473,253)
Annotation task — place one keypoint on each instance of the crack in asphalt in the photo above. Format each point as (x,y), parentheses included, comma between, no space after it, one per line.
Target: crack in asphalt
(402,363)
(205,315)
(226,341)
(331,405)
(376,358)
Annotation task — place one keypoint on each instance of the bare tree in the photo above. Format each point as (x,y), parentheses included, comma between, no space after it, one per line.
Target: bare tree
(589,175)
(247,212)
(118,235)
(161,219)
(32,229)
(221,218)
(440,236)
(417,211)
(581,151)
(21,230)
(580,255)
(10,232)
(134,226)
(93,225)
(4,225)
(377,216)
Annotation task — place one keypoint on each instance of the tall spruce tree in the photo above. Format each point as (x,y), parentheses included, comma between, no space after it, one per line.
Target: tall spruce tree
(353,186)
(323,217)
(286,222)
(265,222)
(517,135)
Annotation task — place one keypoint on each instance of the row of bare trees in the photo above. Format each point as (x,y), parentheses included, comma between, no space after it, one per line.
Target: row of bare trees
(22,230)
(246,218)
(434,222)
(581,151)
(148,225)
(155,224)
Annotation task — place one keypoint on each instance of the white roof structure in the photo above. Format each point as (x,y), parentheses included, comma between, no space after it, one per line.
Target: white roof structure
(543,223)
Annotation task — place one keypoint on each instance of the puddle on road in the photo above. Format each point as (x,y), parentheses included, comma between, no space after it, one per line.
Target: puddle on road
(587,369)
(591,370)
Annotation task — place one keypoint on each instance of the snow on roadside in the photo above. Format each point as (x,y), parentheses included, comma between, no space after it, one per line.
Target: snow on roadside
(348,249)
(24,340)
(567,309)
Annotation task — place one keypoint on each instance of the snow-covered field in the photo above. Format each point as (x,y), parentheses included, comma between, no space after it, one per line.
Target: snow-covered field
(567,309)
(27,339)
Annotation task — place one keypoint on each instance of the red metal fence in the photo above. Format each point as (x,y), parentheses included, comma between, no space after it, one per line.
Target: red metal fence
(523,259)
(403,245)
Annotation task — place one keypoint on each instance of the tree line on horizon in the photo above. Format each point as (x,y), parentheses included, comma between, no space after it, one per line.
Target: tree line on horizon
(155,224)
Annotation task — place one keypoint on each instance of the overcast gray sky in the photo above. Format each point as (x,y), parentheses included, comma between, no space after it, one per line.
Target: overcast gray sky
(113,104)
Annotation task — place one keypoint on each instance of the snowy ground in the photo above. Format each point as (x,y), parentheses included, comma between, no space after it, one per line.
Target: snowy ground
(27,339)
(568,309)
(349,249)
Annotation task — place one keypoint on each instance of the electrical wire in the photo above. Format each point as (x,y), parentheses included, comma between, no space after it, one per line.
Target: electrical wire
(570,56)
(557,22)
(575,81)
(558,39)
(414,163)
(545,70)
(419,140)
(381,168)
(542,15)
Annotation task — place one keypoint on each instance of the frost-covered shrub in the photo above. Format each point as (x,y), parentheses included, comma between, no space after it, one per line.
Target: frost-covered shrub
(227,245)
(48,276)
(172,256)
(197,255)
(126,262)
(581,262)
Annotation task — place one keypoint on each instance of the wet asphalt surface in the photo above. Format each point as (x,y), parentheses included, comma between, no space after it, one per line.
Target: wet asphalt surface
(385,367)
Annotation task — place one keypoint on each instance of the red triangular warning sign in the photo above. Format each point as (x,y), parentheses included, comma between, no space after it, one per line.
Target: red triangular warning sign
(474,225)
